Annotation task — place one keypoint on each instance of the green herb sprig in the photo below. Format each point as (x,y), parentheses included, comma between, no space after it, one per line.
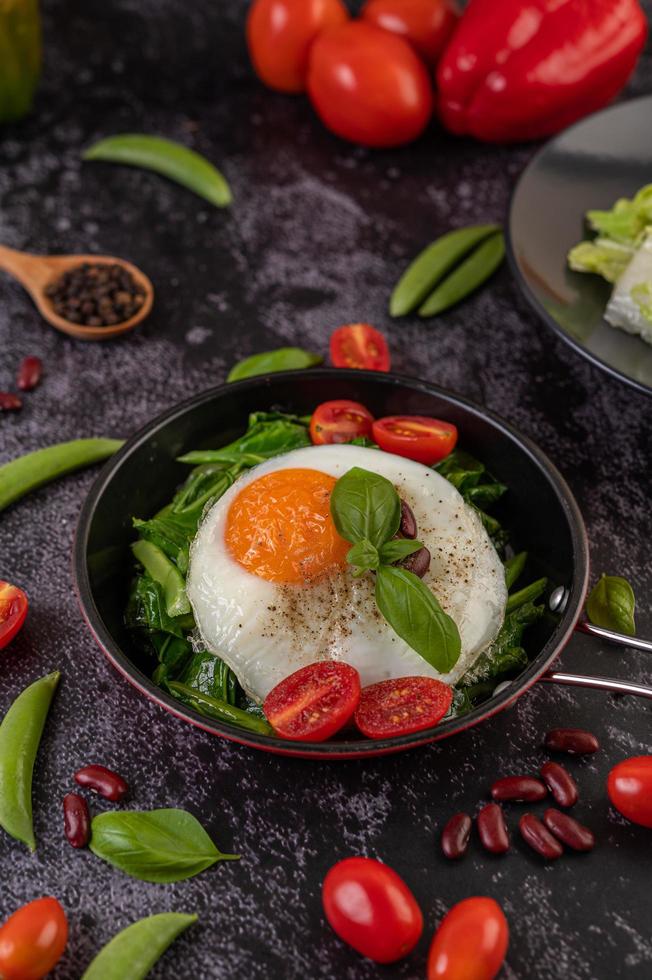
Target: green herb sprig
(366,510)
(611,605)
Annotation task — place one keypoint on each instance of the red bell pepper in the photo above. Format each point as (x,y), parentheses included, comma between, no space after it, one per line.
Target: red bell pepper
(523,69)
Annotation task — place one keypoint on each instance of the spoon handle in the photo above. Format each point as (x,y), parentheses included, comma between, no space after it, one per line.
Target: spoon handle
(599,683)
(32,271)
(618,638)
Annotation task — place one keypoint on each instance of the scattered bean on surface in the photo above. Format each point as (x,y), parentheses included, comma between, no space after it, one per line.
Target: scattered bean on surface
(492,829)
(29,373)
(568,830)
(455,836)
(76,820)
(560,783)
(574,741)
(539,838)
(520,789)
(103,781)
(9,402)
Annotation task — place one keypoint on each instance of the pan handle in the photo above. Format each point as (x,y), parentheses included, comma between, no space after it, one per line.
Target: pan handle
(599,683)
(634,642)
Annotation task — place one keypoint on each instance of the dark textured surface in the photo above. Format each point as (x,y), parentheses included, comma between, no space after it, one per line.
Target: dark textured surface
(318,233)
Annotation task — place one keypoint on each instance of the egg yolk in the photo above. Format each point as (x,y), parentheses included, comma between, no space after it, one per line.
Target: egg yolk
(280,528)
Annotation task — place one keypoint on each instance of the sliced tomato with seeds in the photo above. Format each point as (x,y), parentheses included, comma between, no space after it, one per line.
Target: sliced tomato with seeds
(13,610)
(314,702)
(359,345)
(340,421)
(416,437)
(402,705)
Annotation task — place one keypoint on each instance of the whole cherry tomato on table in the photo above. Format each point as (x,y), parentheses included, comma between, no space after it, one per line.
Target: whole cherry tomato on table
(13,610)
(279,35)
(32,940)
(629,785)
(372,909)
(359,345)
(369,86)
(339,421)
(416,437)
(470,943)
(426,24)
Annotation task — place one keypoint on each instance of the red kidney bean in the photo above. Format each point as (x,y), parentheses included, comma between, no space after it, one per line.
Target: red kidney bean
(568,830)
(9,402)
(29,373)
(521,789)
(408,525)
(455,836)
(103,781)
(418,562)
(574,741)
(492,829)
(560,783)
(539,837)
(76,819)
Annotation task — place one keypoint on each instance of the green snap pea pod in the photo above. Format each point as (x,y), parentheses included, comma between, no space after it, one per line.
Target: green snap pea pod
(20,476)
(20,734)
(163,571)
(466,277)
(528,594)
(514,567)
(423,274)
(165,157)
(282,359)
(220,710)
(132,953)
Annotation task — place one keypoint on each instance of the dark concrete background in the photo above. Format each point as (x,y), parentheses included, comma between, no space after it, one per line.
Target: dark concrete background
(318,233)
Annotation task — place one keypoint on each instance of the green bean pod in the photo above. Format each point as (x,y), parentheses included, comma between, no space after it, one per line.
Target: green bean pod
(34,470)
(20,735)
(528,594)
(220,710)
(166,574)
(165,157)
(514,567)
(132,953)
(423,274)
(466,277)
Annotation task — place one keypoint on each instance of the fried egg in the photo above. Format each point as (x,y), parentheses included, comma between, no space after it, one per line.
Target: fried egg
(271,590)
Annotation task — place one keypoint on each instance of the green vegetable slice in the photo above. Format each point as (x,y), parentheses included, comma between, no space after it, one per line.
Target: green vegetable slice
(611,605)
(283,359)
(156,845)
(467,277)
(132,953)
(167,158)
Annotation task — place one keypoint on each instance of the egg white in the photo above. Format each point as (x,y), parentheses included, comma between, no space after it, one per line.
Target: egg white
(265,631)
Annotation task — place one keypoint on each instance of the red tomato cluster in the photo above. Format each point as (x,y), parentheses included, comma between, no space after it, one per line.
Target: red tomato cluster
(369,79)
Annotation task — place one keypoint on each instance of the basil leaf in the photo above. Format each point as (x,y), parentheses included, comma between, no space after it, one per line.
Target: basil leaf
(365,505)
(414,613)
(364,556)
(398,549)
(132,953)
(283,359)
(155,845)
(611,605)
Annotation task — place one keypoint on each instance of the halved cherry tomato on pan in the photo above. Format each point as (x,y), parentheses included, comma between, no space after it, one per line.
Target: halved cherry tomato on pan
(415,437)
(359,345)
(470,943)
(314,702)
(629,785)
(13,609)
(402,705)
(32,940)
(372,909)
(339,421)
(426,24)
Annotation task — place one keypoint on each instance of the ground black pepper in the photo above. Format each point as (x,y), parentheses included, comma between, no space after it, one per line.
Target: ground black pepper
(96,295)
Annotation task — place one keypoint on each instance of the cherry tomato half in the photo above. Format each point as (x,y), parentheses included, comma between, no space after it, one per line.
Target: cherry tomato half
(339,421)
(279,35)
(314,702)
(426,24)
(402,705)
(359,345)
(415,437)
(13,609)
(32,940)
(372,909)
(629,785)
(368,85)
(471,942)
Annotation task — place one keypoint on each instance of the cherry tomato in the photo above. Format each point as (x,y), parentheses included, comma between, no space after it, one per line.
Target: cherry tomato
(402,705)
(279,35)
(314,702)
(32,940)
(13,609)
(426,24)
(339,421)
(629,785)
(416,437)
(372,909)
(470,943)
(368,85)
(359,345)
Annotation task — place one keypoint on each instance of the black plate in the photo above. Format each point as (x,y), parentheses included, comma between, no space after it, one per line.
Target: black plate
(590,165)
(539,510)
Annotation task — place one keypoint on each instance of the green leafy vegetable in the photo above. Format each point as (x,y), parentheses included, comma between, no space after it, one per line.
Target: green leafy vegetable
(156,845)
(514,568)
(627,220)
(168,576)
(467,277)
(132,953)
(397,550)
(283,359)
(528,594)
(506,656)
(364,556)
(365,507)
(219,709)
(611,605)
(602,256)
(268,435)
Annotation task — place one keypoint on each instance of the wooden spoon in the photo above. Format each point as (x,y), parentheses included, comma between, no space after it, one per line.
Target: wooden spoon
(37,272)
